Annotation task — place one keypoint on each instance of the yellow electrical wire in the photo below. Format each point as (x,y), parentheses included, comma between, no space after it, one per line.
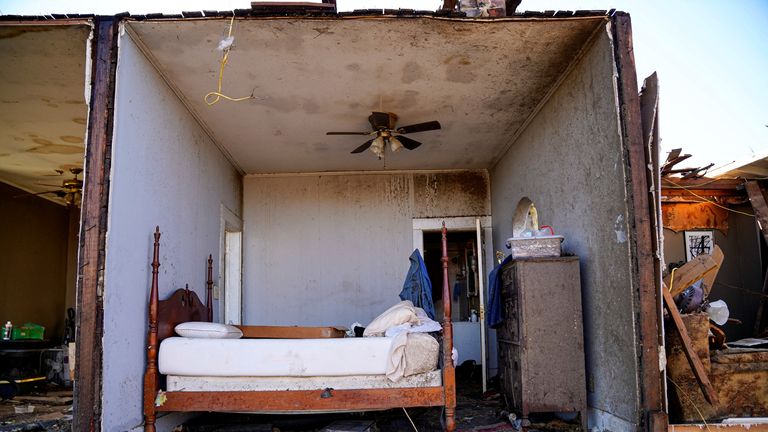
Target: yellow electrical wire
(691,402)
(215,96)
(709,201)
(672,279)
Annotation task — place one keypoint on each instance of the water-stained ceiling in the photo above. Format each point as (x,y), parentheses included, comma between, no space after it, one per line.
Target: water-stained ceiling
(42,103)
(480,79)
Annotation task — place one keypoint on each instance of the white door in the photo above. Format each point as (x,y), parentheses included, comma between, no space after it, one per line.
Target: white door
(233,288)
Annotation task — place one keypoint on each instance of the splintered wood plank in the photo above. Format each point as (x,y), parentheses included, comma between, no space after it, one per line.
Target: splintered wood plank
(709,279)
(693,359)
(692,271)
(757,198)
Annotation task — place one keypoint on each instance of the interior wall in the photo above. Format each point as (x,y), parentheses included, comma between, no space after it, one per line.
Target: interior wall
(165,171)
(739,281)
(570,162)
(333,249)
(33,261)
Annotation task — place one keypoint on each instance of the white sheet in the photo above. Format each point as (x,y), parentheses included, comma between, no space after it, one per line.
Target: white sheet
(274,357)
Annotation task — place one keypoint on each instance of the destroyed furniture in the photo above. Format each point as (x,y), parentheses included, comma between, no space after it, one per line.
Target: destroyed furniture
(267,393)
(737,375)
(541,342)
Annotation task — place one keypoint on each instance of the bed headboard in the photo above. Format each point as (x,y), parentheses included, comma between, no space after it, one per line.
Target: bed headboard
(182,306)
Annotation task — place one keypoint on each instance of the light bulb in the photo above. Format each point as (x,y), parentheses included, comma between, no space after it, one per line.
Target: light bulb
(377,147)
(395,145)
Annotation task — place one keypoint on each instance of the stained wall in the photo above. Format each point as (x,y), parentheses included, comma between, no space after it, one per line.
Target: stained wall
(331,249)
(570,162)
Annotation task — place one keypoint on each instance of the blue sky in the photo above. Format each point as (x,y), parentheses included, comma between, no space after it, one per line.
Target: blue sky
(711,57)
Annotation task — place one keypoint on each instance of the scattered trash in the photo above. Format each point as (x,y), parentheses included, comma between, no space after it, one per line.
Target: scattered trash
(718,312)
(24,409)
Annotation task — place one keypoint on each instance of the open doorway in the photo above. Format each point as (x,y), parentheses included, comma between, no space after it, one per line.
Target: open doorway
(465,277)
(42,146)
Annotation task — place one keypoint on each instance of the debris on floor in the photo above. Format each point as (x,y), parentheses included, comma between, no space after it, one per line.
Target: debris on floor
(49,409)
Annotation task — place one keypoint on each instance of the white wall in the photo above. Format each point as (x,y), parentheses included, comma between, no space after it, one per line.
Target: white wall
(570,162)
(166,172)
(333,249)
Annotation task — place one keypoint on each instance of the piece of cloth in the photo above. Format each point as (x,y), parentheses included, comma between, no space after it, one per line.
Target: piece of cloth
(458,287)
(495,309)
(401,313)
(417,286)
(409,350)
(411,354)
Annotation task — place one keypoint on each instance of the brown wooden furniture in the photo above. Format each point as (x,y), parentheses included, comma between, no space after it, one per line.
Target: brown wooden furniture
(184,305)
(541,341)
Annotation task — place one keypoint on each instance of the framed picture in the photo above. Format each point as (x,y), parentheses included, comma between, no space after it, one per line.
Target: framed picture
(698,243)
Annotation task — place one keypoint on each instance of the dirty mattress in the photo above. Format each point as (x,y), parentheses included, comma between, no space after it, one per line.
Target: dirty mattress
(274,357)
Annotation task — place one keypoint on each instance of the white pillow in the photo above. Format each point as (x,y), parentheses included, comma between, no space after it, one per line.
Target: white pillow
(208,330)
(401,313)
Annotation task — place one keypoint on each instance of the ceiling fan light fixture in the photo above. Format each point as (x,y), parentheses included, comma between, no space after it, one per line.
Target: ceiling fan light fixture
(377,147)
(395,145)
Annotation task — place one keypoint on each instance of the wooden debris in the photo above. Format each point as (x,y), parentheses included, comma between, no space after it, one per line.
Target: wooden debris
(757,198)
(693,270)
(693,359)
(51,400)
(709,279)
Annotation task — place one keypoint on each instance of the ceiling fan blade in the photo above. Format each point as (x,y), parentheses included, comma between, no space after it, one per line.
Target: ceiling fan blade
(48,184)
(408,143)
(348,133)
(37,193)
(363,147)
(380,120)
(419,127)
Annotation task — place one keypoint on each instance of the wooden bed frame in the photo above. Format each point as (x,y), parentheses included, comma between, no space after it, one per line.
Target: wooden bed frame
(184,305)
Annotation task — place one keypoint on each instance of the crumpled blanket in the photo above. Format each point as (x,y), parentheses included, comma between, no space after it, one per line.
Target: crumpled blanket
(413,351)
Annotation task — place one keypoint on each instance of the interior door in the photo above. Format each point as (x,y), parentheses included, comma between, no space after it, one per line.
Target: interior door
(233,287)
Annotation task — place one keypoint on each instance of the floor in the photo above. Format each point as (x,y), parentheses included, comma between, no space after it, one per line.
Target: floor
(45,409)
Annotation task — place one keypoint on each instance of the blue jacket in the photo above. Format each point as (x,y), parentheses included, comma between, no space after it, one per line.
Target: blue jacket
(495,309)
(417,286)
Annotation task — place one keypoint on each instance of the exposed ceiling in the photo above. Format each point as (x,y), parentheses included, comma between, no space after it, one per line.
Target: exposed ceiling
(754,168)
(42,103)
(481,79)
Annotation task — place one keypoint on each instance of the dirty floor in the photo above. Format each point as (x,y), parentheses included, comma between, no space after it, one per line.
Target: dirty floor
(46,409)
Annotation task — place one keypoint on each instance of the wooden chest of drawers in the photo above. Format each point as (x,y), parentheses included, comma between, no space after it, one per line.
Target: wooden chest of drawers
(541,342)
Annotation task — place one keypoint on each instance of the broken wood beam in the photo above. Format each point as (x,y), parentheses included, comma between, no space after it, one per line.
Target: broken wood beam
(709,279)
(698,368)
(693,270)
(757,198)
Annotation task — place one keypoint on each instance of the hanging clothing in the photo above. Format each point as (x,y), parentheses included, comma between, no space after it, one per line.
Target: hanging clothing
(458,287)
(495,309)
(417,287)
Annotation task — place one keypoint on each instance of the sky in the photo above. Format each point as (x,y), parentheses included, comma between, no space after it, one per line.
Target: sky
(711,58)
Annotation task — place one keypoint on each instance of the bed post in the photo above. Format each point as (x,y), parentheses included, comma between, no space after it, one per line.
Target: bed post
(449,375)
(151,374)
(209,289)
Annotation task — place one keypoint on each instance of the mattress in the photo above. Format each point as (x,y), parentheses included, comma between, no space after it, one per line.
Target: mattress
(274,357)
(215,384)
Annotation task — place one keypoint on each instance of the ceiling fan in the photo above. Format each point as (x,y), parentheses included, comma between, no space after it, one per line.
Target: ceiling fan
(383,125)
(70,190)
